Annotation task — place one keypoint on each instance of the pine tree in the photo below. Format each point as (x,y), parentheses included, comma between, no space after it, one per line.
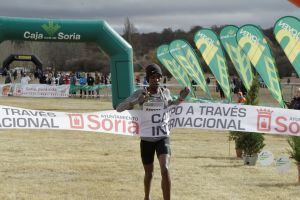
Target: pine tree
(249,142)
(252,95)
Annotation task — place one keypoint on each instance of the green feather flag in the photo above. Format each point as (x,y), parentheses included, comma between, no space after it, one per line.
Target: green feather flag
(252,42)
(287,33)
(186,57)
(166,59)
(209,45)
(238,57)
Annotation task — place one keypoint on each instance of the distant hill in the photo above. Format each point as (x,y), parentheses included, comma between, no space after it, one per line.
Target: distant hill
(89,57)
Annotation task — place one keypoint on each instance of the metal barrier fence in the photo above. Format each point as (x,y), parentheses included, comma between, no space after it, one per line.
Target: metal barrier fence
(288,91)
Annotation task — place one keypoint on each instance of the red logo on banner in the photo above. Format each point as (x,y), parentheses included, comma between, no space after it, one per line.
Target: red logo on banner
(264,120)
(19,91)
(76,121)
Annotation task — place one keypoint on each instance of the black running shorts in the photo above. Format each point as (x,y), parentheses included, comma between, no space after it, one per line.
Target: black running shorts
(148,149)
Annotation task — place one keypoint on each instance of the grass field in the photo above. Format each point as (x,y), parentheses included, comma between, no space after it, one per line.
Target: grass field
(81,165)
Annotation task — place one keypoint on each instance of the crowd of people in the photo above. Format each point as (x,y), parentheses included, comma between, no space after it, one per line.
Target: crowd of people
(236,86)
(62,78)
(94,78)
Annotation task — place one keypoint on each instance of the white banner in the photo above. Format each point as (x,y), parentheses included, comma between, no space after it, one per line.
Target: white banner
(125,123)
(5,89)
(41,90)
(237,117)
(210,116)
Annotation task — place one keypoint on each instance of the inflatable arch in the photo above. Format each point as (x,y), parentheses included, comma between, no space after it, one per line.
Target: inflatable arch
(27,58)
(73,30)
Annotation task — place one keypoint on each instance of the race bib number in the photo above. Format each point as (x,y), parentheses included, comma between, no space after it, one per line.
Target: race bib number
(153,106)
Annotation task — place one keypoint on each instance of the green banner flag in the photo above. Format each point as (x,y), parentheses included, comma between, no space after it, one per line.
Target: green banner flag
(209,45)
(186,57)
(238,57)
(253,43)
(75,88)
(287,33)
(166,59)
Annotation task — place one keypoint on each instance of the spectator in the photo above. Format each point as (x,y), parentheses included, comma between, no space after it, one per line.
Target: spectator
(97,83)
(15,75)
(207,80)
(194,83)
(90,82)
(56,79)
(36,74)
(67,79)
(241,98)
(77,75)
(105,79)
(102,79)
(48,80)
(7,79)
(109,78)
(61,79)
(295,103)
(288,81)
(262,83)
(222,95)
(25,79)
(73,81)
(82,82)
(55,73)
(43,79)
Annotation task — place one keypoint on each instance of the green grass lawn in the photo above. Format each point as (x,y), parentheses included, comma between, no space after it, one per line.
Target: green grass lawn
(44,164)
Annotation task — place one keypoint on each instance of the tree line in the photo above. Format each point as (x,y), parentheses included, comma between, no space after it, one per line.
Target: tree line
(89,57)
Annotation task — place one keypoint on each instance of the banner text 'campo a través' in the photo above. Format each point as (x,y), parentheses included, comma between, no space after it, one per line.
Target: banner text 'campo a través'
(209,116)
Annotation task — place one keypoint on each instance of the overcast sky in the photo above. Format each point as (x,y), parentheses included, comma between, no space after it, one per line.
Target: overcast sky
(155,15)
